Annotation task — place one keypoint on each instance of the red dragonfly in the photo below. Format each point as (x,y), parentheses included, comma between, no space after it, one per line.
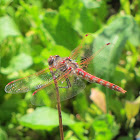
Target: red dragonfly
(68,71)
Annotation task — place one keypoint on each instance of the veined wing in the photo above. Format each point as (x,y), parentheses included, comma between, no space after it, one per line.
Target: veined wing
(88,56)
(75,53)
(29,83)
(87,59)
(48,92)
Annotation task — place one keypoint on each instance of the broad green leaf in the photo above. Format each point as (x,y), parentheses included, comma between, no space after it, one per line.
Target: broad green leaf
(5,2)
(84,24)
(116,107)
(8,28)
(105,127)
(55,50)
(3,135)
(45,118)
(80,104)
(134,37)
(19,62)
(79,130)
(120,73)
(99,8)
(69,135)
(77,14)
(11,104)
(117,33)
(137,71)
(91,4)
(60,31)
(132,108)
(125,4)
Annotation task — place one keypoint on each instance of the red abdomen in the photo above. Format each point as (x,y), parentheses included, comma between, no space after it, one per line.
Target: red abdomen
(94,79)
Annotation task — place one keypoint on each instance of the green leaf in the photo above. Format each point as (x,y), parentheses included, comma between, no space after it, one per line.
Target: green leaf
(134,37)
(3,135)
(91,4)
(84,24)
(77,14)
(116,106)
(99,8)
(4,2)
(11,105)
(117,33)
(125,4)
(45,118)
(69,136)
(60,31)
(132,108)
(105,127)
(79,130)
(137,71)
(8,28)
(19,62)
(55,50)
(80,104)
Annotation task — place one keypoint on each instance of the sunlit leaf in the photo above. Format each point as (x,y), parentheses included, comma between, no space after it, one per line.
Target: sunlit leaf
(55,50)
(60,31)
(8,28)
(3,135)
(19,62)
(76,13)
(132,108)
(79,130)
(112,34)
(69,135)
(137,71)
(105,127)
(45,117)
(91,4)
(80,104)
(125,4)
(116,107)
(10,105)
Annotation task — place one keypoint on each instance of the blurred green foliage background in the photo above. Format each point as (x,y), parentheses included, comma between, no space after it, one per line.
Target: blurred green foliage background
(32,30)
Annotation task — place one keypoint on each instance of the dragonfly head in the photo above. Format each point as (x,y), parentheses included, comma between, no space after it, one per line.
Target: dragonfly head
(53,59)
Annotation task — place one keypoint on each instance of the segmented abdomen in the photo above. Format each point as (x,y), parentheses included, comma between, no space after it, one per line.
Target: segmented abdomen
(94,79)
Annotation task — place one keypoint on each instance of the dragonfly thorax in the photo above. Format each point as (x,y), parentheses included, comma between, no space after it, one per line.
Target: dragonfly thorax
(62,64)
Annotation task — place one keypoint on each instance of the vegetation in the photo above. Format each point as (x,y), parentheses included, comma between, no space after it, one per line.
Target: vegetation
(32,30)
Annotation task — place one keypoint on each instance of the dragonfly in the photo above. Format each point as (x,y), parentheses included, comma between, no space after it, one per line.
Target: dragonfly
(69,73)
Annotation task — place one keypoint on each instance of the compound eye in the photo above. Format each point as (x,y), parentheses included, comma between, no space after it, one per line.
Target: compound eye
(50,60)
(57,56)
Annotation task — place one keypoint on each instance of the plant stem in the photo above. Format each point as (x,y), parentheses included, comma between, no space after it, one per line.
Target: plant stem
(58,107)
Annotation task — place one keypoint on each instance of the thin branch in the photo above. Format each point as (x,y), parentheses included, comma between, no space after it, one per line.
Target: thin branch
(58,106)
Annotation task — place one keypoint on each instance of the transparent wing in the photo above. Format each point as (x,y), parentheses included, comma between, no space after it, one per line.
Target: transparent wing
(49,92)
(101,59)
(32,82)
(79,51)
(90,57)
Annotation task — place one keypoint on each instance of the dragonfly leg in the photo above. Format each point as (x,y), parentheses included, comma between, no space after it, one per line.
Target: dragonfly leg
(68,83)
